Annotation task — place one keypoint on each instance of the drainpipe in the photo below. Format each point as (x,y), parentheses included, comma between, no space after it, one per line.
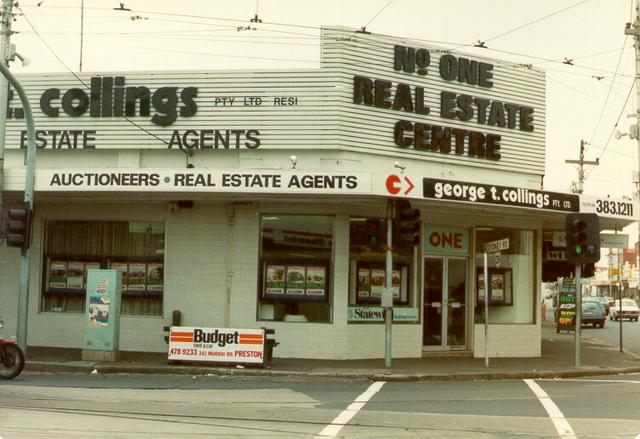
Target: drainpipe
(5,50)
(231,221)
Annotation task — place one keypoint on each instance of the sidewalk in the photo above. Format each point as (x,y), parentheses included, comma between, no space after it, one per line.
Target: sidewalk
(557,360)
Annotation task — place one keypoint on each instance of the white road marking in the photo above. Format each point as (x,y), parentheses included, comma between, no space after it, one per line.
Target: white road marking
(343,418)
(575,380)
(562,425)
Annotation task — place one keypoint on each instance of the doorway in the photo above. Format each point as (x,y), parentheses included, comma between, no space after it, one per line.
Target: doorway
(445,302)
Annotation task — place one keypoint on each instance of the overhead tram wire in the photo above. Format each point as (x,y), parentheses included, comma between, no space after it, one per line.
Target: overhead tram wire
(318,28)
(88,87)
(595,129)
(527,24)
(615,126)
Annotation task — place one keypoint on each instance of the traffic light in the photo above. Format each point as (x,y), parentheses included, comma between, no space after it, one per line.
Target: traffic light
(406,225)
(18,226)
(375,233)
(583,237)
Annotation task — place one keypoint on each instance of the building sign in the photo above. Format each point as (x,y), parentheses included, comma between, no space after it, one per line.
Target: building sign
(222,345)
(446,240)
(376,314)
(415,64)
(609,207)
(478,193)
(170,180)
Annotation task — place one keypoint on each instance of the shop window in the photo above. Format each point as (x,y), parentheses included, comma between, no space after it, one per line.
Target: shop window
(511,284)
(71,248)
(367,273)
(295,268)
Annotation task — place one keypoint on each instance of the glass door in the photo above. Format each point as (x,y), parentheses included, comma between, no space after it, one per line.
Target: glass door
(445,299)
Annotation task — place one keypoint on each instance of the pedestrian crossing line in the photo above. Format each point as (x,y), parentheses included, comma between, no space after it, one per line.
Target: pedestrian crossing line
(575,380)
(345,416)
(559,421)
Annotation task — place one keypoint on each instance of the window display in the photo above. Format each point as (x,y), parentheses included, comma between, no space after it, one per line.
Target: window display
(367,272)
(296,253)
(74,247)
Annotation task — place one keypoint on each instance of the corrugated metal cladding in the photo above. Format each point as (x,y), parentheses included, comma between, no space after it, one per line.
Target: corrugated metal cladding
(347,54)
(296,109)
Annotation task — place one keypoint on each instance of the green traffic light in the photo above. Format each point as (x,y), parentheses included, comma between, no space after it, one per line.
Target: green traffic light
(578,250)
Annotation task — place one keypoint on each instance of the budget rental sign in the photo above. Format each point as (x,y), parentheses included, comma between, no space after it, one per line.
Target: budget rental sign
(222,345)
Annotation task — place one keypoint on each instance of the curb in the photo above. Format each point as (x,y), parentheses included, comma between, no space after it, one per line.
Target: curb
(109,369)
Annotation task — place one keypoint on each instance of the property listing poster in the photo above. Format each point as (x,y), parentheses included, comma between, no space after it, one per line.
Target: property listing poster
(154,277)
(378,280)
(497,287)
(295,280)
(75,275)
(275,280)
(316,281)
(481,287)
(58,274)
(364,282)
(137,277)
(395,283)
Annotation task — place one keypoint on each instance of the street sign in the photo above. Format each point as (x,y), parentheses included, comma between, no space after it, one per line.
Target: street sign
(496,246)
(611,240)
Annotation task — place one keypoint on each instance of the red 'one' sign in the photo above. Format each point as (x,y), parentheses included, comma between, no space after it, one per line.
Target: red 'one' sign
(445,240)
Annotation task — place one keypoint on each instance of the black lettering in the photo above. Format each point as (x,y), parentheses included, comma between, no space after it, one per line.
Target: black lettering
(402,100)
(447,104)
(496,114)
(382,93)
(485,75)
(493,146)
(398,133)
(404,58)
(165,101)
(135,94)
(448,67)
(252,137)
(465,113)
(175,140)
(45,102)
(467,71)
(68,102)
(362,90)
(187,96)
(526,119)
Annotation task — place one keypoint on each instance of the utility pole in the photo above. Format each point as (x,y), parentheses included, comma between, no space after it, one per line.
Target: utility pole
(634,29)
(5,54)
(581,162)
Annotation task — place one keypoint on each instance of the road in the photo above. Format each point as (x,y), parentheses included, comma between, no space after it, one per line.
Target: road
(38,405)
(610,334)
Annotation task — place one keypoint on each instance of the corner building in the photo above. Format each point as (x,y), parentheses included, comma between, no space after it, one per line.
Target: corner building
(250,199)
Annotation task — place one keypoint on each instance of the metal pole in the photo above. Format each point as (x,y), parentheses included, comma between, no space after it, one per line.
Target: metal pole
(486,311)
(620,299)
(388,310)
(578,313)
(5,49)
(23,286)
(634,29)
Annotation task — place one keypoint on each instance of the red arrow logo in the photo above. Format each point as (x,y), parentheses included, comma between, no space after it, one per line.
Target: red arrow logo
(411,185)
(393,186)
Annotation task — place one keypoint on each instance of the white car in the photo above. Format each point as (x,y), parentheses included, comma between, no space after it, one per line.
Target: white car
(629,311)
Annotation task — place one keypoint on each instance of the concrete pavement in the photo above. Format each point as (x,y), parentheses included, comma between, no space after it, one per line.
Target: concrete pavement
(557,360)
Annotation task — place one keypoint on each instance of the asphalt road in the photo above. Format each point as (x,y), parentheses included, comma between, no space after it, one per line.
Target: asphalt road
(610,334)
(37,405)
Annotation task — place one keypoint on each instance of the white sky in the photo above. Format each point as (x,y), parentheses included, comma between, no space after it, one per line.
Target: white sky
(203,35)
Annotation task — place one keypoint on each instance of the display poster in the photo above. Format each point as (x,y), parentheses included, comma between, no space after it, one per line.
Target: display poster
(275,279)
(497,287)
(395,283)
(122,267)
(58,274)
(481,288)
(364,282)
(316,281)
(154,277)
(102,310)
(566,312)
(378,282)
(223,345)
(295,280)
(137,276)
(75,275)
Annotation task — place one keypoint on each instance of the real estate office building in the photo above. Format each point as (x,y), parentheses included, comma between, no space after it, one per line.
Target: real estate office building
(250,199)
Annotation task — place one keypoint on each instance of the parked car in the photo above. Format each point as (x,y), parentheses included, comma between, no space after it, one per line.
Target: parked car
(593,313)
(605,303)
(630,310)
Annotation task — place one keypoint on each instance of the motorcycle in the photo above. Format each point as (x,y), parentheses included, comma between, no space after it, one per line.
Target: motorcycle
(11,358)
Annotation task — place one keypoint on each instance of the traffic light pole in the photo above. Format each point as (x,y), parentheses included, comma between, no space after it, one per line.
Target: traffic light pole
(23,286)
(578,313)
(388,308)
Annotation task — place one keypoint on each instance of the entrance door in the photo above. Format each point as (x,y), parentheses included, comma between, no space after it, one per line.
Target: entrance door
(445,298)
